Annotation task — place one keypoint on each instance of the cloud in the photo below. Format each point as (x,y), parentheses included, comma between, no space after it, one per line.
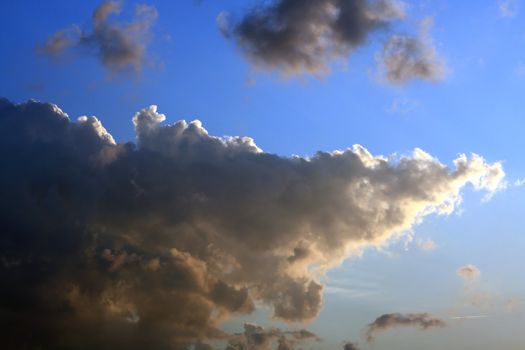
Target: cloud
(405,58)
(119,45)
(350,346)
(385,322)
(257,338)
(403,106)
(508,8)
(426,244)
(152,244)
(519,182)
(223,23)
(60,41)
(468,317)
(305,36)
(513,304)
(469,272)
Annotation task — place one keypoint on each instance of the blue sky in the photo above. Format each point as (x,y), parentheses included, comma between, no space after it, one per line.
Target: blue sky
(192,72)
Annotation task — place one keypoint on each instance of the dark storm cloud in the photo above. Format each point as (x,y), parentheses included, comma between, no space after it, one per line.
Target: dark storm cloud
(119,45)
(405,58)
(150,245)
(422,321)
(297,36)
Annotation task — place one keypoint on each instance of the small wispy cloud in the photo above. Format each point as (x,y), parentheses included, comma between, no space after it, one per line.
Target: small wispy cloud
(223,23)
(405,58)
(519,182)
(469,272)
(119,45)
(402,106)
(513,304)
(426,244)
(467,317)
(508,8)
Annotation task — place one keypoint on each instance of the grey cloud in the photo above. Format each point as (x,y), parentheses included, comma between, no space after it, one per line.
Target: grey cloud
(384,322)
(119,45)
(305,36)
(258,338)
(405,58)
(350,346)
(150,245)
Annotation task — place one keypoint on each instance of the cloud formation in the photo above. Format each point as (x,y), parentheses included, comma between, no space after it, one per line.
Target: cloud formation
(257,338)
(469,272)
(305,36)
(385,322)
(153,244)
(119,45)
(405,58)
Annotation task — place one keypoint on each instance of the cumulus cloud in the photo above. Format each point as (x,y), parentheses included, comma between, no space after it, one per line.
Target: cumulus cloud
(152,244)
(305,36)
(405,58)
(385,322)
(119,45)
(469,272)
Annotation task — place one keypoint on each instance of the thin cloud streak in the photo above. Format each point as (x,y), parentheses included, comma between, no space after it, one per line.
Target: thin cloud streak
(467,317)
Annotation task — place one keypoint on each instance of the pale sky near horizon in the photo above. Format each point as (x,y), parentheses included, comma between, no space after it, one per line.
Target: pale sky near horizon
(476,104)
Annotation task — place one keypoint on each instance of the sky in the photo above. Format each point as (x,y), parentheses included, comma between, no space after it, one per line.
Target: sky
(280,174)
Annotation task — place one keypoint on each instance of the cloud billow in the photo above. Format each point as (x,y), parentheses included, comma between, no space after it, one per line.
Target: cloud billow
(150,245)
